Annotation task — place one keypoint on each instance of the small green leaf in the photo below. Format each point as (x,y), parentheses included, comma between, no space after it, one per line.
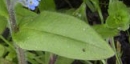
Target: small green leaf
(63,35)
(2,50)
(105,32)
(31,57)
(81,12)
(11,55)
(116,6)
(5,61)
(3,24)
(119,16)
(63,60)
(47,5)
(95,3)
(3,9)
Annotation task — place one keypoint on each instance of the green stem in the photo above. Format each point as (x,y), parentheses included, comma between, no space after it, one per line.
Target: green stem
(89,4)
(104,61)
(53,58)
(100,15)
(39,61)
(13,28)
(114,48)
(10,45)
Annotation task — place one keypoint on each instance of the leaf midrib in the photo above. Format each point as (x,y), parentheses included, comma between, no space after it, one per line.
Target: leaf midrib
(61,36)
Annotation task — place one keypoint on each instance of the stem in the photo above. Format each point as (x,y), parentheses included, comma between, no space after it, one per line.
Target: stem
(8,43)
(20,55)
(13,28)
(89,4)
(116,55)
(100,15)
(12,20)
(53,58)
(104,61)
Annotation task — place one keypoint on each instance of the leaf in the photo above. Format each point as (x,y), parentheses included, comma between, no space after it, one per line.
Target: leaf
(47,5)
(95,3)
(90,5)
(5,61)
(47,57)
(105,32)
(81,12)
(3,24)
(24,14)
(31,57)
(118,16)
(11,54)
(116,6)
(63,35)
(63,60)
(3,9)
(2,50)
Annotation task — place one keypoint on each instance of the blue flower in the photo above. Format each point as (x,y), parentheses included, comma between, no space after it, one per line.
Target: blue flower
(31,4)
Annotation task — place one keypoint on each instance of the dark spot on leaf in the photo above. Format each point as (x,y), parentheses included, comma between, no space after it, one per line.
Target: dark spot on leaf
(83,50)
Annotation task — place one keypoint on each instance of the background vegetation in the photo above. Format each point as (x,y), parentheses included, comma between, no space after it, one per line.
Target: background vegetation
(65,32)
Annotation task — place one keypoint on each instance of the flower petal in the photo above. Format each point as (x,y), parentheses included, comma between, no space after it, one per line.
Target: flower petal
(31,4)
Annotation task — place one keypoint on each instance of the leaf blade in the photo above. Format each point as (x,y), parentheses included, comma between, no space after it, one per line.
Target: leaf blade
(54,33)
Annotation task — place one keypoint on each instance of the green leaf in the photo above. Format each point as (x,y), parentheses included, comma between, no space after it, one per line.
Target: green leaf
(2,50)
(3,24)
(3,9)
(31,57)
(63,35)
(47,5)
(116,6)
(21,11)
(11,54)
(81,12)
(5,61)
(105,32)
(47,57)
(119,16)
(63,60)
(24,14)
(95,3)
(90,5)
